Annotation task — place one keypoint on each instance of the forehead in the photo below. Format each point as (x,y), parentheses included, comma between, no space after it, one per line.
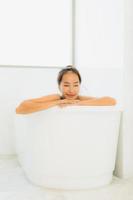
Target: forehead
(70,77)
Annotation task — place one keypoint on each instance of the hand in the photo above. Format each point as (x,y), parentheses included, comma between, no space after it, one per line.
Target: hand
(67,102)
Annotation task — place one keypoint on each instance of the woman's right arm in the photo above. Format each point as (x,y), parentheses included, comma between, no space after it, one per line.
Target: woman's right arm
(34,105)
(38,104)
(51,97)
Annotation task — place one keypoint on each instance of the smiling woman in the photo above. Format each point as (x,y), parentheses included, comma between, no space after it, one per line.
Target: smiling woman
(69,81)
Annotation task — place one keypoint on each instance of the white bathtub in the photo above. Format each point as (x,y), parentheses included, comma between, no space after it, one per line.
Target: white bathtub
(69,148)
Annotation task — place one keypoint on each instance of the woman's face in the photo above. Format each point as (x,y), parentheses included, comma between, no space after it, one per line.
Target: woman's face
(70,85)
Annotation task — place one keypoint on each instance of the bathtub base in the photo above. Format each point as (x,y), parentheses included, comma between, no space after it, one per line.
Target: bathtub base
(71,148)
(69,183)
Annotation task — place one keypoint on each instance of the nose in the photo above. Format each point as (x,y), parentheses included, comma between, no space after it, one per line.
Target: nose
(71,89)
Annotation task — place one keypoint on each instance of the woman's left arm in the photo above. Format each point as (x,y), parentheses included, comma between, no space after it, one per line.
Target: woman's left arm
(93,101)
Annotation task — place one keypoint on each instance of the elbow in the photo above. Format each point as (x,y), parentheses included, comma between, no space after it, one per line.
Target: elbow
(22,108)
(17,110)
(114,102)
(111,101)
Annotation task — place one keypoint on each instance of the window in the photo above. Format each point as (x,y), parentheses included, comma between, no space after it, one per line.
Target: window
(36,32)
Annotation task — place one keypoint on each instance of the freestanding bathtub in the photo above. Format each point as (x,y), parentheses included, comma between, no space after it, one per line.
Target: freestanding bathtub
(68,148)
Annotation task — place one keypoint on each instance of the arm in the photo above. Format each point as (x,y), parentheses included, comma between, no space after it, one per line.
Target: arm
(34,105)
(43,99)
(93,101)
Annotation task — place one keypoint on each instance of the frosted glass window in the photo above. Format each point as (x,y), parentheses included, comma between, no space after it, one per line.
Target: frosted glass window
(35,32)
(99,33)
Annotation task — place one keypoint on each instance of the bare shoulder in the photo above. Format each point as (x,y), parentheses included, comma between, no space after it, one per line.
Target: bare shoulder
(49,97)
(98,101)
(86,97)
(103,98)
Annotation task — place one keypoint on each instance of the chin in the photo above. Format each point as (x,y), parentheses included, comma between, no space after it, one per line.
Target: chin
(72,98)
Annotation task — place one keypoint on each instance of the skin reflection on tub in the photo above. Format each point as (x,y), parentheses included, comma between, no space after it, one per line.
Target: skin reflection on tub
(70,148)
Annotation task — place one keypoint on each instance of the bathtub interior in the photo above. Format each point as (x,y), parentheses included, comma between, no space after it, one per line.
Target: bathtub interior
(74,147)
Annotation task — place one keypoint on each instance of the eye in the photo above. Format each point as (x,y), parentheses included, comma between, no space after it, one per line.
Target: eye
(76,85)
(66,85)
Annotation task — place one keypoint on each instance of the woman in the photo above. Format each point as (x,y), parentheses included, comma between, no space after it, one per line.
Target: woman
(69,81)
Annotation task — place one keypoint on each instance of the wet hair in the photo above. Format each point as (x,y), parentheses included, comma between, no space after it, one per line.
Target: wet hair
(68,68)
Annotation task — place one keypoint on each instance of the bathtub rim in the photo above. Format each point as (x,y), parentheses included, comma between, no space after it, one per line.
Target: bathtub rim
(116,108)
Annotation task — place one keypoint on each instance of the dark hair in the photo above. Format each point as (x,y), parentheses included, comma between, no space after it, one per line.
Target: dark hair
(68,68)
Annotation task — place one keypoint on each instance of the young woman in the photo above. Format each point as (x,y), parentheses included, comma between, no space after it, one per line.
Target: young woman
(69,81)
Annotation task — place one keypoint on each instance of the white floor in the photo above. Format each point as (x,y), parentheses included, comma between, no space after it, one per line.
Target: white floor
(15,186)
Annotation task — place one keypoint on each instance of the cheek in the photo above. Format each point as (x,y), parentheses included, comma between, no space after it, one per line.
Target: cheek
(77,89)
(63,89)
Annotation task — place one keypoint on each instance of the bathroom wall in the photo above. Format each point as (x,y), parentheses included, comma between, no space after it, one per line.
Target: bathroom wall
(36,32)
(99,45)
(35,42)
(97,52)
(99,33)
(124,165)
